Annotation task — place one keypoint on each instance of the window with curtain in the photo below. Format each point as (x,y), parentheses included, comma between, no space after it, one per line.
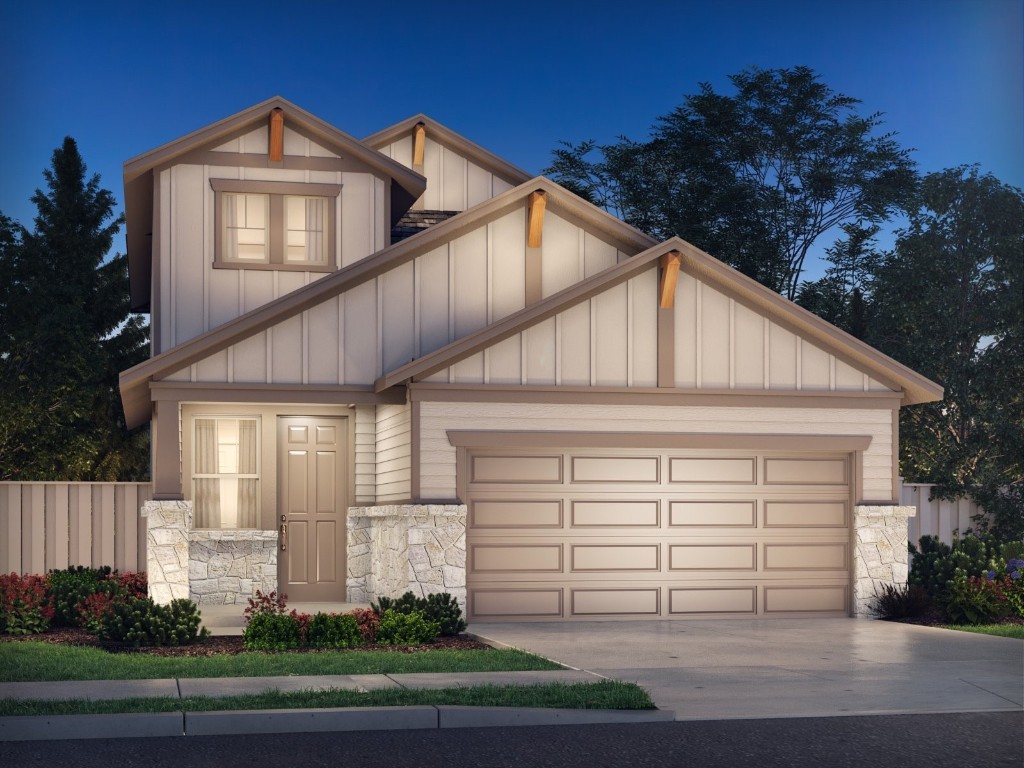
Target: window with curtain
(225,475)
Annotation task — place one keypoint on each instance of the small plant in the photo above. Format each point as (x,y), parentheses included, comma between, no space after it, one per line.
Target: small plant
(1010,585)
(131,583)
(936,564)
(333,630)
(265,604)
(139,621)
(972,600)
(901,602)
(367,622)
(268,631)
(405,629)
(24,607)
(97,605)
(72,586)
(441,608)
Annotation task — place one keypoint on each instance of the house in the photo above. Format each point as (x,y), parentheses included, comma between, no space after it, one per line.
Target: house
(402,363)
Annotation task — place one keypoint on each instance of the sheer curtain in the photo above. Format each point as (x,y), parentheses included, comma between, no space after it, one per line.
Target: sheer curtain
(247,486)
(207,489)
(315,214)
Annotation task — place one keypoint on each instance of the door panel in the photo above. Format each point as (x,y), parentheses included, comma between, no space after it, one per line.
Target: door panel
(313,493)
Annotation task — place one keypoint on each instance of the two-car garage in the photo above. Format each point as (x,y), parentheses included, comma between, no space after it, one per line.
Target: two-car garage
(616,533)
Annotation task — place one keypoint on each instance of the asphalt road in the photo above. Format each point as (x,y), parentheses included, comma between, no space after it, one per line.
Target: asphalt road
(986,740)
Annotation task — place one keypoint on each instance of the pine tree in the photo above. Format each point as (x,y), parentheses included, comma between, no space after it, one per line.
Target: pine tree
(65,333)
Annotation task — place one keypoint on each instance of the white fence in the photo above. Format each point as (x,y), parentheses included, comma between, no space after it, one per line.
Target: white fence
(56,525)
(937,517)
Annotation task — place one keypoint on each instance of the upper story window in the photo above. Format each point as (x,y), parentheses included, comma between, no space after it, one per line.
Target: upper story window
(275,225)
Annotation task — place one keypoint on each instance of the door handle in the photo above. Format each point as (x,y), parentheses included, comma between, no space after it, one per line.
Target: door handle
(283,536)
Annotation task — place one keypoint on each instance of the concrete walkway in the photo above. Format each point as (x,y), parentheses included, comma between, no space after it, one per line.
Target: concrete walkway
(713,670)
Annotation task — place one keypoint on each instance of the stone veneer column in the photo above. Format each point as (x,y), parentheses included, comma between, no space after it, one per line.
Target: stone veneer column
(880,553)
(393,549)
(167,527)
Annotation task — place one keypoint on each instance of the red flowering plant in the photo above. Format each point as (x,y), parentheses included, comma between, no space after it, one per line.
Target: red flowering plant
(25,608)
(272,603)
(1008,586)
(367,622)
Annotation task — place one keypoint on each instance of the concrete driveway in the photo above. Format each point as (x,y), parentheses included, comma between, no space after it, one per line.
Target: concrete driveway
(712,670)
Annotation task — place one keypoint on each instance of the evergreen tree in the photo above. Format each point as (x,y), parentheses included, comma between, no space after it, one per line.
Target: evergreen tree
(65,334)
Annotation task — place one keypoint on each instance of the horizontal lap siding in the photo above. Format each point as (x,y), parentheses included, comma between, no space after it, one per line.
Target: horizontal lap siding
(438,456)
(47,526)
(366,454)
(394,435)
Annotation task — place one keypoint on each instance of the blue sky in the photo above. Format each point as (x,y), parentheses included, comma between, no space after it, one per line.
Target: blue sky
(124,78)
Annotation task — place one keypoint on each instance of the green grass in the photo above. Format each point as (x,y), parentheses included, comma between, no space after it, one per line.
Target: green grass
(999,630)
(33,661)
(606,694)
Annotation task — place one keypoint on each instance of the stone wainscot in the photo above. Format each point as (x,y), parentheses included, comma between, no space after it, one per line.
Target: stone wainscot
(880,552)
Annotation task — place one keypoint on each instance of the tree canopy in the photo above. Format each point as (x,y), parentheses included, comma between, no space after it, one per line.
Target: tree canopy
(65,334)
(754,178)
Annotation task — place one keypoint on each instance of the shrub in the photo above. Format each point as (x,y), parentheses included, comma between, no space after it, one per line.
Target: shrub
(441,608)
(131,583)
(24,606)
(97,605)
(72,586)
(405,629)
(266,604)
(901,602)
(333,630)
(935,564)
(367,622)
(972,600)
(272,632)
(1009,585)
(139,621)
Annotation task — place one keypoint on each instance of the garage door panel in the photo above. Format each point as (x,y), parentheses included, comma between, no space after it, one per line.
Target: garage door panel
(706,470)
(805,471)
(611,514)
(805,556)
(713,557)
(612,557)
(517,469)
(694,600)
(615,469)
(509,603)
(516,514)
(805,514)
(516,558)
(713,514)
(615,602)
(805,599)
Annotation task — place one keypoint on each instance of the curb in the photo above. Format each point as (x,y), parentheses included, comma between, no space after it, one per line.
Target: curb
(61,727)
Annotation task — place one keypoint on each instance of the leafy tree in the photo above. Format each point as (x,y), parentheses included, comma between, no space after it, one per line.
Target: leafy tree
(754,178)
(65,333)
(949,302)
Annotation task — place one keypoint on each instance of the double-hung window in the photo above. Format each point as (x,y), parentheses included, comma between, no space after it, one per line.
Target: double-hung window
(226,472)
(275,225)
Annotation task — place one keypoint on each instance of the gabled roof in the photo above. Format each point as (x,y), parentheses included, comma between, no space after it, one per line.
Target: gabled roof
(444,135)
(406,187)
(134,381)
(915,387)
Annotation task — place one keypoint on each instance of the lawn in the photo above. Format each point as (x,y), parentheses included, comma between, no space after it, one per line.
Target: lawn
(999,630)
(33,661)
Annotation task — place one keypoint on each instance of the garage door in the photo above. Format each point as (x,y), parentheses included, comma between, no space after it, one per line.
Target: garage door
(604,534)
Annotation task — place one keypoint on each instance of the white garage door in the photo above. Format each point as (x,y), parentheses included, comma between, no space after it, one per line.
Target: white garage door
(606,534)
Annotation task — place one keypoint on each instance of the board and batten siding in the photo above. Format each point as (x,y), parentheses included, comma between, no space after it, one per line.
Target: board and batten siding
(193,296)
(46,526)
(454,183)
(394,436)
(419,307)
(437,457)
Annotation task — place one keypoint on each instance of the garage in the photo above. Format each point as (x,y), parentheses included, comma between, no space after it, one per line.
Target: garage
(620,533)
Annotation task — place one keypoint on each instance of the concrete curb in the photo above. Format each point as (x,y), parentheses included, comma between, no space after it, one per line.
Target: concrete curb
(54,728)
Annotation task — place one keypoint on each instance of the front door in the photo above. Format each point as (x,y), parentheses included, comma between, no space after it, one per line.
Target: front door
(312,505)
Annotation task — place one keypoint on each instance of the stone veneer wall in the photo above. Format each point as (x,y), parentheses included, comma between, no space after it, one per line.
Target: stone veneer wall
(880,552)
(207,567)
(396,548)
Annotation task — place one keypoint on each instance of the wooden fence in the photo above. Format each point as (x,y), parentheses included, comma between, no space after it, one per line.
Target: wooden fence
(937,517)
(55,525)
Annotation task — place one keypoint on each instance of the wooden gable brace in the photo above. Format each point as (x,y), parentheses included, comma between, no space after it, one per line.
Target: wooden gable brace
(276,151)
(419,140)
(669,276)
(535,230)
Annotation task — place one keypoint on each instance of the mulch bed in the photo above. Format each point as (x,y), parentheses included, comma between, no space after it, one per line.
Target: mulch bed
(228,645)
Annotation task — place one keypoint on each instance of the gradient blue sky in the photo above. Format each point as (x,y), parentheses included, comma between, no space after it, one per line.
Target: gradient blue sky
(124,78)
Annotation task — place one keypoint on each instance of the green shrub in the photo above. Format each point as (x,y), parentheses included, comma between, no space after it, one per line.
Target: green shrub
(272,632)
(405,629)
(139,621)
(333,630)
(367,622)
(24,606)
(71,587)
(935,564)
(901,602)
(440,608)
(972,600)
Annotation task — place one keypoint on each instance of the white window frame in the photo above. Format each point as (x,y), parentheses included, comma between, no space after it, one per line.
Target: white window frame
(276,250)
